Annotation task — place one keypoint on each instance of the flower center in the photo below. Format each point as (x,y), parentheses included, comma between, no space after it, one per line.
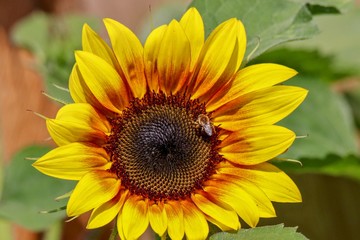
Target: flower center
(158,148)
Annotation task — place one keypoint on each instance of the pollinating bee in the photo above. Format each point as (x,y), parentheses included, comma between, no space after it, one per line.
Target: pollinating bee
(206,125)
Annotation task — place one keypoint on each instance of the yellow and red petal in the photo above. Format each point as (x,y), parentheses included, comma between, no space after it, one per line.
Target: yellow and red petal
(255,145)
(134,217)
(219,59)
(259,76)
(151,52)
(228,193)
(103,81)
(262,201)
(263,107)
(173,60)
(175,217)
(265,207)
(93,189)
(73,161)
(106,212)
(78,122)
(195,224)
(225,219)
(119,225)
(80,92)
(252,78)
(92,42)
(271,180)
(84,114)
(157,217)
(129,53)
(193,26)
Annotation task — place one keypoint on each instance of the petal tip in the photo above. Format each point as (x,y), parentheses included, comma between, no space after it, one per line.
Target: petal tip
(86,27)
(192,11)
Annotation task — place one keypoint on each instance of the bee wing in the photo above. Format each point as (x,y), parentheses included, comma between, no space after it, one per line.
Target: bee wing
(208,129)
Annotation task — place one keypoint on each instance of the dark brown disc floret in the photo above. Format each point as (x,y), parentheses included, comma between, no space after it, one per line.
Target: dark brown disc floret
(158,148)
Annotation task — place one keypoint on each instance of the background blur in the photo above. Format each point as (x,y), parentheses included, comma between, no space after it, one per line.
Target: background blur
(37,40)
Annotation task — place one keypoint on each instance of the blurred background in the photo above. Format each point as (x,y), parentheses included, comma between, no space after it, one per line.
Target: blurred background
(37,41)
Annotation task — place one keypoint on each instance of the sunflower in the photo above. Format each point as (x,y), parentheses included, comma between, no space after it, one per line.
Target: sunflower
(173,134)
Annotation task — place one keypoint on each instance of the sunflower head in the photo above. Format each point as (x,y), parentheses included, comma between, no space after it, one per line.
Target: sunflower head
(173,134)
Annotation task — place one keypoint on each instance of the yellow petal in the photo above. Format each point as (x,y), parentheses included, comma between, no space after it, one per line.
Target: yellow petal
(158,218)
(275,183)
(93,189)
(106,212)
(263,107)
(92,42)
(193,26)
(78,122)
(175,218)
(227,218)
(265,207)
(80,92)
(219,59)
(119,224)
(230,194)
(151,52)
(76,81)
(263,203)
(174,58)
(256,144)
(103,81)
(129,53)
(73,161)
(134,217)
(252,78)
(84,114)
(195,224)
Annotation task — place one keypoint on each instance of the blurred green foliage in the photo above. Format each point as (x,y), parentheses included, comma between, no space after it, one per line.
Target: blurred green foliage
(268,232)
(339,39)
(26,192)
(53,40)
(325,117)
(268,23)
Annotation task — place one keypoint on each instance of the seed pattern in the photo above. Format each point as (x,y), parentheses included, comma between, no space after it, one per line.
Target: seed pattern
(158,149)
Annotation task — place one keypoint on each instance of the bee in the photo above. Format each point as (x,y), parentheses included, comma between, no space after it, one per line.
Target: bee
(205,124)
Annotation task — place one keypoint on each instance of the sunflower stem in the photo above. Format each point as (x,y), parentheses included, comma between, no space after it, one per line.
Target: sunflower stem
(114,233)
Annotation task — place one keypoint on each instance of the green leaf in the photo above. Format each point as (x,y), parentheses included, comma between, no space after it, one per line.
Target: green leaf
(275,232)
(26,192)
(327,120)
(328,6)
(333,165)
(307,62)
(353,98)
(270,22)
(339,37)
(162,14)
